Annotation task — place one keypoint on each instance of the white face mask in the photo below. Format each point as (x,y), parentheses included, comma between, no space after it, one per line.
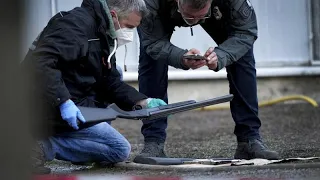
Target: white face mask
(124,36)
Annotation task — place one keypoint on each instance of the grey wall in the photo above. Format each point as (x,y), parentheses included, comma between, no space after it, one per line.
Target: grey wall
(283,32)
(315,14)
(36,17)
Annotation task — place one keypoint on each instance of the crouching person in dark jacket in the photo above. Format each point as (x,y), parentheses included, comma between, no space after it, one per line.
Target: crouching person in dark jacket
(74,64)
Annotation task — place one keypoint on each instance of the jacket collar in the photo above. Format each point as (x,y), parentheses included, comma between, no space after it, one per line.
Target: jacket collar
(100,11)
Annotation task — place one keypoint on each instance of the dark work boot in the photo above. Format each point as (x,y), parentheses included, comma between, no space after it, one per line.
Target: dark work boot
(151,149)
(38,160)
(254,149)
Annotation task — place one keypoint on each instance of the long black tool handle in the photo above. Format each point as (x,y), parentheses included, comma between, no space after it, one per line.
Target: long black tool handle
(112,112)
(145,113)
(166,112)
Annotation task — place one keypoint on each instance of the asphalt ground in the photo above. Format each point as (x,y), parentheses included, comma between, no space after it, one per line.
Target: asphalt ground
(293,130)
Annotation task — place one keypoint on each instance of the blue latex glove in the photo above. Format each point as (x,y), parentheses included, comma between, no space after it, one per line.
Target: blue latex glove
(71,113)
(153,102)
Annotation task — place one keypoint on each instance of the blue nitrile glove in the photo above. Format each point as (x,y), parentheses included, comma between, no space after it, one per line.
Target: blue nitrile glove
(71,113)
(153,102)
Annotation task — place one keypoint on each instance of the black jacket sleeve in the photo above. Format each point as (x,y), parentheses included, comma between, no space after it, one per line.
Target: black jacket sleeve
(156,40)
(62,41)
(243,33)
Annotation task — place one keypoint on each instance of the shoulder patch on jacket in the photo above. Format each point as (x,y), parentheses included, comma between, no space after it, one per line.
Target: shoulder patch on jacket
(245,9)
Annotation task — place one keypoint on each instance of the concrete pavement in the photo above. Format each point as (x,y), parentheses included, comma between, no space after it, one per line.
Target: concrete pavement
(290,129)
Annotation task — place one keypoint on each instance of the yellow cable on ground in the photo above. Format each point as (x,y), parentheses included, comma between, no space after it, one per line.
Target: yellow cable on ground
(267,103)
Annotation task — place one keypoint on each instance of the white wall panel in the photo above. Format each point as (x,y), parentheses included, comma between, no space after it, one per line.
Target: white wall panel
(283,32)
(37,14)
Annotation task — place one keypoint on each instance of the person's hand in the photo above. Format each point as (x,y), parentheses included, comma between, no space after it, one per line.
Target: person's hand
(154,102)
(71,113)
(193,64)
(212,59)
(151,103)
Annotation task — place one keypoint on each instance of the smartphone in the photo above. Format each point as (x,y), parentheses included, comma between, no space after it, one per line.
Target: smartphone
(194,57)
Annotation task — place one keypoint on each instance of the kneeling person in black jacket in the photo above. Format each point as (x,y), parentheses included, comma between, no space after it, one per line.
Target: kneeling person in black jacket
(75,65)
